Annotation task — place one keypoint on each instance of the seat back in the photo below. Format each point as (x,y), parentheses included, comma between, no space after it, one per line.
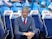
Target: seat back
(26,4)
(1,29)
(47,20)
(8,26)
(37,19)
(13,17)
(16,6)
(3,33)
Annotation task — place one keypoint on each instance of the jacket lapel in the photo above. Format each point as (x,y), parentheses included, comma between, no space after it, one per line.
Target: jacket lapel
(21,21)
(26,23)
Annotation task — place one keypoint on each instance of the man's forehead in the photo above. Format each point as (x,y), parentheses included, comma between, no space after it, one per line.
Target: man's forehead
(25,9)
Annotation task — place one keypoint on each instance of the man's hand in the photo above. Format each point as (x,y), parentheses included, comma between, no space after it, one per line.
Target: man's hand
(26,34)
(29,35)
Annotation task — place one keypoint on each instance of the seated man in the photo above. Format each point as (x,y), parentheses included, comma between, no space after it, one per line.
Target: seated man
(24,25)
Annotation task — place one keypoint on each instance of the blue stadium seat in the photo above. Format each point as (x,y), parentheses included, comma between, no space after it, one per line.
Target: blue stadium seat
(1,5)
(37,19)
(12,17)
(38,23)
(3,33)
(43,3)
(35,6)
(27,5)
(40,1)
(41,9)
(0,11)
(15,9)
(47,20)
(7,14)
(16,6)
(47,3)
(1,29)
(42,6)
(5,8)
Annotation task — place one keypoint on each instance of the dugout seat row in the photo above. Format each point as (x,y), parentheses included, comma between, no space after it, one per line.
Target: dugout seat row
(43,26)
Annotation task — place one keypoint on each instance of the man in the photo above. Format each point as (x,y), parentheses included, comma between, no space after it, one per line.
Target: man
(24,25)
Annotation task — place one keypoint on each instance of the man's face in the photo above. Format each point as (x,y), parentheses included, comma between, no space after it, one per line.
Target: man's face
(24,13)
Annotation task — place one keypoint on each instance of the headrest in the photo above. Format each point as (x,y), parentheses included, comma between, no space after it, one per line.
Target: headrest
(17,4)
(8,12)
(26,4)
(34,12)
(15,15)
(46,14)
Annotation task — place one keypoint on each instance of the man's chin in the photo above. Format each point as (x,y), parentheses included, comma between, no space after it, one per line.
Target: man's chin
(25,16)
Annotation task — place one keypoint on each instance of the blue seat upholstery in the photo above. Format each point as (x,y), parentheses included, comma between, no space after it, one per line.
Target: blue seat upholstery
(40,1)
(38,23)
(35,6)
(1,7)
(1,29)
(14,16)
(48,23)
(3,32)
(41,9)
(8,25)
(47,20)
(15,9)
(27,5)
(0,11)
(16,6)
(37,20)
(5,8)
(47,3)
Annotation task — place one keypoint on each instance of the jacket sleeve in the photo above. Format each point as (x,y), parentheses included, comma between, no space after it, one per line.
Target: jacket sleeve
(16,27)
(33,25)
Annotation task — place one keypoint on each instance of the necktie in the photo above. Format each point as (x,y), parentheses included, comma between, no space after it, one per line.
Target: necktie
(24,22)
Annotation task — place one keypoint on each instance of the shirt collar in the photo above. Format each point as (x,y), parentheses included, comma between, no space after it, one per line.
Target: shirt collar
(23,18)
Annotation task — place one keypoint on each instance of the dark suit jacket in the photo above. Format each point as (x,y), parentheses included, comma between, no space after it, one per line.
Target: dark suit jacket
(19,27)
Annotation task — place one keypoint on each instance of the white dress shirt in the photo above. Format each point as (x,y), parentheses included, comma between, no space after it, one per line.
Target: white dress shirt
(23,19)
